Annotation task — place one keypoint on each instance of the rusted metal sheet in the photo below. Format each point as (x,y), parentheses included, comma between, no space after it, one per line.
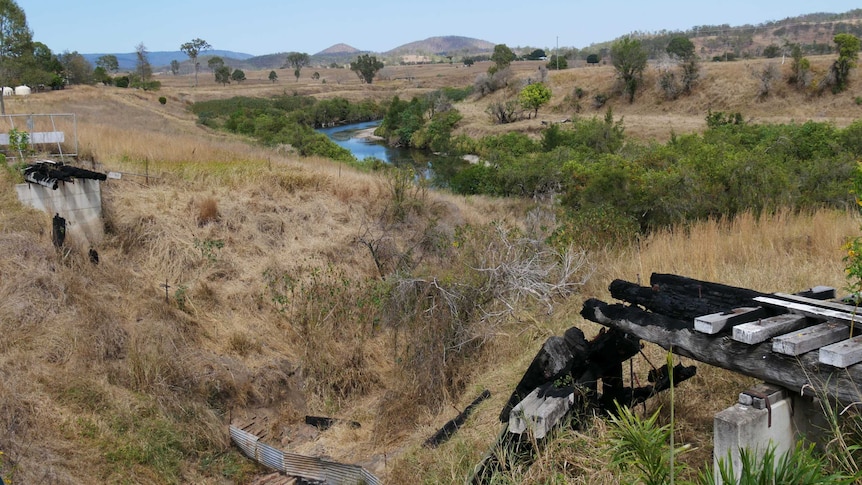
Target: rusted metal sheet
(304,466)
(309,468)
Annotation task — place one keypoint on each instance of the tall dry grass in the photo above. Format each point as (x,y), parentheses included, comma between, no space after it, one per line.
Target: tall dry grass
(780,252)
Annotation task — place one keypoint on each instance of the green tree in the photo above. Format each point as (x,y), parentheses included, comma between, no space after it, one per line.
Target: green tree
(143,69)
(15,43)
(192,49)
(680,47)
(536,55)
(629,58)
(800,68)
(848,51)
(108,62)
(100,75)
(297,60)
(273,77)
(41,66)
(502,57)
(366,67)
(222,75)
(593,59)
(534,96)
(557,62)
(214,63)
(771,51)
(78,70)
(237,75)
(175,67)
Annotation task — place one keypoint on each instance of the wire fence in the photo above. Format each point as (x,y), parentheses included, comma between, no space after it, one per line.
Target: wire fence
(46,135)
(308,468)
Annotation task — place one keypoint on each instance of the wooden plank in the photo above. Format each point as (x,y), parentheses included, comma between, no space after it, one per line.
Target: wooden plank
(809,310)
(833,305)
(842,354)
(716,322)
(810,338)
(765,328)
(758,361)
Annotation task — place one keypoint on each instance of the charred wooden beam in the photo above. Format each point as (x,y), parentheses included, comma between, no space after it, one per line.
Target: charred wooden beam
(82,173)
(681,297)
(323,423)
(554,360)
(451,427)
(586,363)
(803,372)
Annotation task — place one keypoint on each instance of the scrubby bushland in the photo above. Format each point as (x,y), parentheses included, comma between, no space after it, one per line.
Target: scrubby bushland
(425,122)
(732,167)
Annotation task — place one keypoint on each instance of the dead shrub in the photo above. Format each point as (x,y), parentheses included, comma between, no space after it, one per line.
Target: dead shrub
(442,322)
(242,344)
(207,211)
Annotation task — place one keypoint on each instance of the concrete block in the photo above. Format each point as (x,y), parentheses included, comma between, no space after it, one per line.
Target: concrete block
(811,338)
(842,354)
(79,202)
(744,427)
(764,329)
(716,322)
(539,415)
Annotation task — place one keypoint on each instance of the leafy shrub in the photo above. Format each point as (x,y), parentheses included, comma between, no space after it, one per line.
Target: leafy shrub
(599,100)
(458,94)
(715,119)
(163,100)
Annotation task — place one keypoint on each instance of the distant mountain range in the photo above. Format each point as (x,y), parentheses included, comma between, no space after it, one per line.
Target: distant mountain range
(338,53)
(128,61)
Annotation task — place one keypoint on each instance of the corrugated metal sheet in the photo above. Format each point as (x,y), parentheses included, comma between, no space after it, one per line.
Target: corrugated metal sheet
(246,441)
(271,457)
(306,467)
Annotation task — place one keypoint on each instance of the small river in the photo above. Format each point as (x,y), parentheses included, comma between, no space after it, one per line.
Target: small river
(434,167)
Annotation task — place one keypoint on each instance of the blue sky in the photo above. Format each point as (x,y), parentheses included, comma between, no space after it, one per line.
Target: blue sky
(260,27)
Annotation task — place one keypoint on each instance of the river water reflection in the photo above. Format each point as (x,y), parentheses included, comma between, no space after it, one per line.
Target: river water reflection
(436,168)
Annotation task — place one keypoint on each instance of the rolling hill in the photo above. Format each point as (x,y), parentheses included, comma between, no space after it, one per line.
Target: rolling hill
(446,45)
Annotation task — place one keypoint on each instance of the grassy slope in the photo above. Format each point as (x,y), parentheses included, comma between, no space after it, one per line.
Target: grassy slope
(102,380)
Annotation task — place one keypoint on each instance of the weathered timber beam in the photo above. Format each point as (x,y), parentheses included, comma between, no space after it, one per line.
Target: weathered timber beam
(681,297)
(801,373)
(554,360)
(451,427)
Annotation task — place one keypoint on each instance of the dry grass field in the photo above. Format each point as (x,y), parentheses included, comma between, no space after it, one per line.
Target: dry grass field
(104,380)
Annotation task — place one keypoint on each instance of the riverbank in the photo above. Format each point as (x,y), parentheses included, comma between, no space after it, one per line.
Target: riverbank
(367,134)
